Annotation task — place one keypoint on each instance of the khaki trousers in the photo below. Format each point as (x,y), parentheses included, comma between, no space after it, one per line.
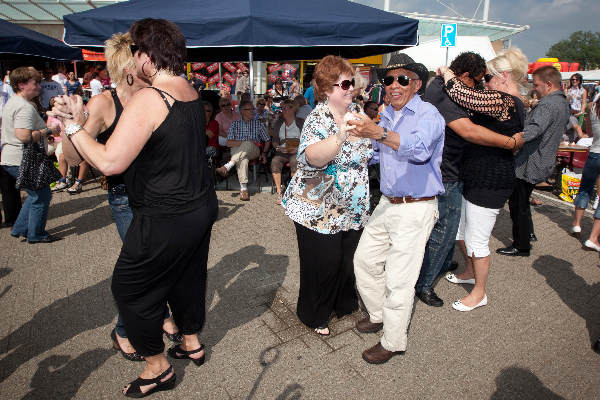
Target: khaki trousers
(387,263)
(241,155)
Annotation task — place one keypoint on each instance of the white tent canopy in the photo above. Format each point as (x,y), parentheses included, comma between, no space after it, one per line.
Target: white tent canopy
(432,55)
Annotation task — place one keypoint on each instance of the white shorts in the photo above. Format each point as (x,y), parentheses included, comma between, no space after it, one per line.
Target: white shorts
(475,228)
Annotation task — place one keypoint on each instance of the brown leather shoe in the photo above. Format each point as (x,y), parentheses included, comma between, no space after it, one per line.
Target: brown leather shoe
(366,326)
(378,355)
(244,196)
(222,171)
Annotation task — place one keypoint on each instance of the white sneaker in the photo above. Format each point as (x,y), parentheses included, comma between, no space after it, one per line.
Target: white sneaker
(450,277)
(589,245)
(60,186)
(595,205)
(459,306)
(575,231)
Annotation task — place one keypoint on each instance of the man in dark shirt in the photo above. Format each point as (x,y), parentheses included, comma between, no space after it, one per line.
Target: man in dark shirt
(469,67)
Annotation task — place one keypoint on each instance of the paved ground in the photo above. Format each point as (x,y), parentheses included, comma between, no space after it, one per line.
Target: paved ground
(531,342)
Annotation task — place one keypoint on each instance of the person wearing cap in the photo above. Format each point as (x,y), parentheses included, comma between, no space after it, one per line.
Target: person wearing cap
(408,144)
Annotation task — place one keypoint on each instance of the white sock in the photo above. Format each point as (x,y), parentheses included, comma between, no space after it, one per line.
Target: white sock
(229,165)
(243,186)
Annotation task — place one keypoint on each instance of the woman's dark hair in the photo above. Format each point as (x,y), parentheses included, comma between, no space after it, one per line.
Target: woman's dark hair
(469,62)
(162,41)
(368,103)
(579,78)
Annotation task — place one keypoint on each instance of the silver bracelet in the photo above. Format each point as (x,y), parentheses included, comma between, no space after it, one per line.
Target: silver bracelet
(70,130)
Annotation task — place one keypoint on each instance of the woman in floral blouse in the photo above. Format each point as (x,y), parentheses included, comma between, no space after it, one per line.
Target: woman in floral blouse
(328,198)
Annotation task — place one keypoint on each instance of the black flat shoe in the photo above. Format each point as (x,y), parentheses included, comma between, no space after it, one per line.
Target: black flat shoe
(512,251)
(128,356)
(178,353)
(174,337)
(453,266)
(430,298)
(596,346)
(47,239)
(135,389)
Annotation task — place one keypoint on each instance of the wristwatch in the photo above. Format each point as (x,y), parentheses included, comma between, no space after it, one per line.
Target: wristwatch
(70,130)
(384,135)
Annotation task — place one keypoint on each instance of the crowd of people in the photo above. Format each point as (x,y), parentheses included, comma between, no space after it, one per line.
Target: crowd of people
(452,151)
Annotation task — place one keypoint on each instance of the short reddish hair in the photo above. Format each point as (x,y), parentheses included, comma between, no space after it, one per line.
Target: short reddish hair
(328,72)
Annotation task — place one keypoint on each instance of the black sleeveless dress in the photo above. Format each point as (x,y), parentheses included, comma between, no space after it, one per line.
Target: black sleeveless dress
(103,137)
(165,251)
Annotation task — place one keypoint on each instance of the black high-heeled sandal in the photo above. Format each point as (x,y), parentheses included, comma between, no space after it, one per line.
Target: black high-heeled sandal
(178,353)
(176,337)
(128,356)
(135,389)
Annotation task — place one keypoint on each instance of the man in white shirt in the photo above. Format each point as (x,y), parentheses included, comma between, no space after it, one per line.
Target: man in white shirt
(96,85)
(49,89)
(61,78)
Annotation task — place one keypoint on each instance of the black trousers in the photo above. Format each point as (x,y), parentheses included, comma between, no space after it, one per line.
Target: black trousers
(163,259)
(327,280)
(11,197)
(520,213)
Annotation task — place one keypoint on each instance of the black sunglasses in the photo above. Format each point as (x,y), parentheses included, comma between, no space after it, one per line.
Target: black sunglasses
(345,84)
(133,47)
(487,78)
(403,80)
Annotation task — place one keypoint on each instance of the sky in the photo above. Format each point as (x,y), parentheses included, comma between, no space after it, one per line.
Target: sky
(549,20)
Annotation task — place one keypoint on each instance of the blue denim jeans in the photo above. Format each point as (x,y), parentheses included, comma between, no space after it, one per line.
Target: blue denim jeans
(31,222)
(122,214)
(591,170)
(440,247)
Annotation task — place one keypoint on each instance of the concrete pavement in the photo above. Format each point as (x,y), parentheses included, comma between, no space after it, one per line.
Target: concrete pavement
(532,341)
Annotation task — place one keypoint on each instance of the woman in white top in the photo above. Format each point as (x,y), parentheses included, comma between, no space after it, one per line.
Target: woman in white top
(286,137)
(576,94)
(591,172)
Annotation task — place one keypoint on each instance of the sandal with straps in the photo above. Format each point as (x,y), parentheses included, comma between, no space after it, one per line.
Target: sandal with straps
(180,354)
(176,337)
(135,356)
(135,387)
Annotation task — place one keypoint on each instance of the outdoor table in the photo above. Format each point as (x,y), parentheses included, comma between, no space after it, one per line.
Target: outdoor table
(572,149)
(566,148)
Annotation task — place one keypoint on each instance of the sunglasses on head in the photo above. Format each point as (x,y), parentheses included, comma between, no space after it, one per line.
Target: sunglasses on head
(133,47)
(488,77)
(345,84)
(403,80)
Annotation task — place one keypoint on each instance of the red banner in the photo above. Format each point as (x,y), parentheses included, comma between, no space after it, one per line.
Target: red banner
(212,67)
(289,67)
(230,67)
(203,78)
(213,79)
(229,78)
(92,55)
(198,66)
(274,67)
(242,66)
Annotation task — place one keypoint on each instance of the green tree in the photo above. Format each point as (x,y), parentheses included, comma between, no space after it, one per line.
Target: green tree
(582,47)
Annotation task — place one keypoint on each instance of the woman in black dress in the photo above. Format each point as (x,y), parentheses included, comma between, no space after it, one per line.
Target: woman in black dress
(488,173)
(155,145)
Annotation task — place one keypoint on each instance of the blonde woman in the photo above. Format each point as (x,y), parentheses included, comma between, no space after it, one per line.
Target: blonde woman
(488,172)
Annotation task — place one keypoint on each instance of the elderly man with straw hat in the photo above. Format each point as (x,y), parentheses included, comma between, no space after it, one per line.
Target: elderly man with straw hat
(408,143)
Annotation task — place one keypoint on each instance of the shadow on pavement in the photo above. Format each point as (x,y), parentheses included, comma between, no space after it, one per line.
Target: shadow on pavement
(3,273)
(239,286)
(90,221)
(60,377)
(56,323)
(572,289)
(227,209)
(75,203)
(561,217)
(520,383)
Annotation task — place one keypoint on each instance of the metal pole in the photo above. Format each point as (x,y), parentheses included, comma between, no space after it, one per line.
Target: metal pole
(250,59)
(220,78)
(386,5)
(447,49)
(486,10)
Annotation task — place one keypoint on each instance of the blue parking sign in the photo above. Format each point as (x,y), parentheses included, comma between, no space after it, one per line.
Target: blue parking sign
(448,35)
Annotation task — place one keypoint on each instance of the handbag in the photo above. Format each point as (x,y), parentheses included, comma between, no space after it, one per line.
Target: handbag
(37,170)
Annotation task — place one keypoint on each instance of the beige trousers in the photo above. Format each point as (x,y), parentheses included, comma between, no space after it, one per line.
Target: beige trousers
(241,155)
(387,263)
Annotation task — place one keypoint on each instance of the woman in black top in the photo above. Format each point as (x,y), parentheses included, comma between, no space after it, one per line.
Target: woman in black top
(488,173)
(155,145)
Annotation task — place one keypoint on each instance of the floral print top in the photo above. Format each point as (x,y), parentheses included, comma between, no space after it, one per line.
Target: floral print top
(333,198)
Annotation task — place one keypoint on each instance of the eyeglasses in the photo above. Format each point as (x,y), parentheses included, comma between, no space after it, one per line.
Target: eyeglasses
(574,80)
(345,84)
(247,109)
(403,80)
(133,47)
